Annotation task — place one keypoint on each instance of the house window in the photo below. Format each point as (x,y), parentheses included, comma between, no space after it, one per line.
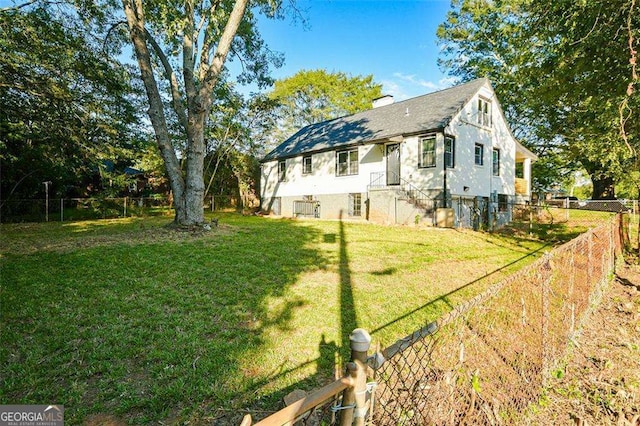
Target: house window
(428,151)
(496,162)
(484,112)
(282,170)
(479,154)
(306,165)
(449,152)
(347,162)
(503,202)
(355,204)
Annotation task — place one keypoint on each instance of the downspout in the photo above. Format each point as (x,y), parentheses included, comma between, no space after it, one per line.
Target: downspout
(444,192)
(444,169)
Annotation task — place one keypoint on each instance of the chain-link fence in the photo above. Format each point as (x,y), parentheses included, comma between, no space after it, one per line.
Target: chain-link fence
(487,360)
(72,209)
(615,206)
(490,213)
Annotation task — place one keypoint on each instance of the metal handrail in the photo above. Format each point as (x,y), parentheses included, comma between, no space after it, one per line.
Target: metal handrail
(413,193)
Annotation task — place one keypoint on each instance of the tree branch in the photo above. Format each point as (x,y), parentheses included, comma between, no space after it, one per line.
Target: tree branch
(135,20)
(170,75)
(187,52)
(20,6)
(633,59)
(207,43)
(224,45)
(108,34)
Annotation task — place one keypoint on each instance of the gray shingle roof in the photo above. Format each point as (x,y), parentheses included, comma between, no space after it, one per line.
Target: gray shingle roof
(427,112)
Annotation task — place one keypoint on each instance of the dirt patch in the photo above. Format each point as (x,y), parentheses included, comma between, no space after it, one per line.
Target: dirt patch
(142,235)
(104,420)
(600,384)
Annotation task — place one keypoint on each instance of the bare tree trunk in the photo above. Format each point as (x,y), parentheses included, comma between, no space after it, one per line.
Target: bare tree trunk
(603,187)
(194,194)
(135,20)
(188,191)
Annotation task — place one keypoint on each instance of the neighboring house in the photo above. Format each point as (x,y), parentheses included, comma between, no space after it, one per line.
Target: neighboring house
(446,158)
(138,180)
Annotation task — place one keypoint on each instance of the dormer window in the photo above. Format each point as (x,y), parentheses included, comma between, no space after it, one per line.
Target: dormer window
(484,112)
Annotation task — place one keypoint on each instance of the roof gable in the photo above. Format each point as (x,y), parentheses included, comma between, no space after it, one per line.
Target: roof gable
(427,112)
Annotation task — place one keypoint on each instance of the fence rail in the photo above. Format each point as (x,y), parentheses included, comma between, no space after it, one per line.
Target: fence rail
(487,361)
(70,209)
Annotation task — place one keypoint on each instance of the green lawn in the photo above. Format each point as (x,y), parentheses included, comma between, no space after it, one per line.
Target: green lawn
(132,319)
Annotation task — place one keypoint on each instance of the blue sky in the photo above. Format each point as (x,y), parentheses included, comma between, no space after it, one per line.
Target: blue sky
(395,40)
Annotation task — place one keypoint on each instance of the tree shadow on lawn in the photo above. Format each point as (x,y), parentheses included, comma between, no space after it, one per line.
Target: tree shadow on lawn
(550,232)
(332,355)
(446,297)
(153,331)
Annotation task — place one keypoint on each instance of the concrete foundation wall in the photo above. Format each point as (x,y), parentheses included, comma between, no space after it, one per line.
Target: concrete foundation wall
(387,206)
(332,206)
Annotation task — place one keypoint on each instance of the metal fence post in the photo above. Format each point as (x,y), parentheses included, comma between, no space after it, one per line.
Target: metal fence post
(355,397)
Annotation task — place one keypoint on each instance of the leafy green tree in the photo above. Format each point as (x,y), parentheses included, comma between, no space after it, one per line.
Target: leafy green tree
(242,128)
(562,72)
(63,107)
(312,96)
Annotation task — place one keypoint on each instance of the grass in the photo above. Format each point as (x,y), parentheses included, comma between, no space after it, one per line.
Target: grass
(129,318)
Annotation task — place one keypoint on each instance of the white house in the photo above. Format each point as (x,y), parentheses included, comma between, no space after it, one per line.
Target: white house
(446,158)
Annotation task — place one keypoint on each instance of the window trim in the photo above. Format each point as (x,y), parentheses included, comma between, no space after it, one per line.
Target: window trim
(304,165)
(475,154)
(350,163)
(282,170)
(495,162)
(450,157)
(421,152)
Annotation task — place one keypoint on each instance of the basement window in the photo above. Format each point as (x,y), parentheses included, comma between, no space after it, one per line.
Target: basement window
(355,204)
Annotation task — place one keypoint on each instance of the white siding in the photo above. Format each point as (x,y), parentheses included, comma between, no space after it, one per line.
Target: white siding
(322,179)
(478,180)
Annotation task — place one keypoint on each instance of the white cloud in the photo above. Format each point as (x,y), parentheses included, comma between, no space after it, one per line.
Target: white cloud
(411,79)
(390,87)
(448,82)
(405,86)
